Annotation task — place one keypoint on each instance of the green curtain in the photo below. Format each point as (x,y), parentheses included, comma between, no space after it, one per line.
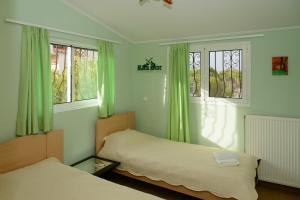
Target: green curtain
(35,112)
(178,118)
(106,79)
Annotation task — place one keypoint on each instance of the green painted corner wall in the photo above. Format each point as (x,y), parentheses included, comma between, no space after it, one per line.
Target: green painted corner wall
(149,98)
(79,125)
(221,125)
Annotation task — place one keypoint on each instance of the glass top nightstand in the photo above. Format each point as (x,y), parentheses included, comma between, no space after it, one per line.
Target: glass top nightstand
(96,165)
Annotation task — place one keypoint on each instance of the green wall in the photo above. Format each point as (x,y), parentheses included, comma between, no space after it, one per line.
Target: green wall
(222,125)
(79,125)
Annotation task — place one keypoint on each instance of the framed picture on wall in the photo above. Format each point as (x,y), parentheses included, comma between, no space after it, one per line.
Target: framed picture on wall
(280,65)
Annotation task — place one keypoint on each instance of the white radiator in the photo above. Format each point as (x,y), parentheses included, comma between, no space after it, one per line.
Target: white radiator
(276,141)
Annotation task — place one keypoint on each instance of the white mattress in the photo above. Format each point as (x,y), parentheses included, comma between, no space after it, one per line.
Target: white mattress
(51,180)
(192,166)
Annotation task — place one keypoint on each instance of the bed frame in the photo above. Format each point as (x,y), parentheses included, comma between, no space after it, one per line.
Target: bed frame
(124,121)
(26,150)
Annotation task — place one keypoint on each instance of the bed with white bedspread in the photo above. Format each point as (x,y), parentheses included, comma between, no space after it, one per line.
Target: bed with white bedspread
(188,165)
(51,180)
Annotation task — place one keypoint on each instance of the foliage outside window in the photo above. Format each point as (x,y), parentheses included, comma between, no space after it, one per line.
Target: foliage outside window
(195,74)
(225,73)
(74,73)
(220,72)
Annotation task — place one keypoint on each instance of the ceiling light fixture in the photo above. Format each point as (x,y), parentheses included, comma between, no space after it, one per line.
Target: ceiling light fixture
(168,2)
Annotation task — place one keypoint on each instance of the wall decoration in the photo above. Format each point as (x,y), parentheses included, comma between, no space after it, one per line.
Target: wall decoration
(280,65)
(149,65)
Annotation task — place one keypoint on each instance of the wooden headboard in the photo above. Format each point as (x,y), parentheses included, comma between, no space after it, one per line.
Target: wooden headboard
(112,124)
(27,150)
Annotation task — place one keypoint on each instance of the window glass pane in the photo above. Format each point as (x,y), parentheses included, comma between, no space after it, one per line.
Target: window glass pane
(84,74)
(225,74)
(195,73)
(59,72)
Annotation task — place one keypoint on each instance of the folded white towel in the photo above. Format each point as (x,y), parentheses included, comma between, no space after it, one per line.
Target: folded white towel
(227,158)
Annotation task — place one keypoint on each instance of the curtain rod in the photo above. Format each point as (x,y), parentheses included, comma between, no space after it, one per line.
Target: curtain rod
(213,39)
(59,30)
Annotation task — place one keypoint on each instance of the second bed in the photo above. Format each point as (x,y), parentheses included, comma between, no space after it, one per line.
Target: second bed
(186,168)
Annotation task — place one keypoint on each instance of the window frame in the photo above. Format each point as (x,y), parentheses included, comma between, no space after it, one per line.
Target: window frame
(204,49)
(74,105)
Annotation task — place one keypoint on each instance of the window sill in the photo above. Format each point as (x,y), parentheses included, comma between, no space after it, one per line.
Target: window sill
(58,108)
(217,101)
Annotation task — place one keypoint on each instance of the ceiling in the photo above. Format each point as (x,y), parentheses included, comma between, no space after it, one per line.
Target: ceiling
(188,18)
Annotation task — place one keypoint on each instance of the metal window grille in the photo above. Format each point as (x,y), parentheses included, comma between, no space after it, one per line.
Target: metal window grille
(225,74)
(195,74)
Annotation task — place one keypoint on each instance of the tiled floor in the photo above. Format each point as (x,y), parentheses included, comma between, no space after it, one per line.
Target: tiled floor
(266,191)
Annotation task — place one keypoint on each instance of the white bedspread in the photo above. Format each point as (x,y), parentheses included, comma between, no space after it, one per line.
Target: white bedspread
(51,180)
(192,166)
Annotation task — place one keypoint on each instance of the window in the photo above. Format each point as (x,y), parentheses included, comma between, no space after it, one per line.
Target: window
(220,73)
(74,73)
